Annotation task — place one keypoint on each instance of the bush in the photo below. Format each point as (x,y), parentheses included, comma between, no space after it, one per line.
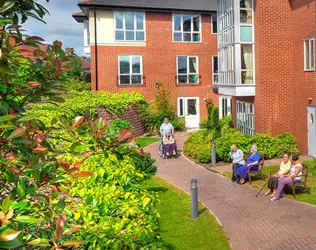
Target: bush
(119,124)
(226,122)
(75,84)
(286,144)
(116,211)
(266,144)
(145,166)
(178,124)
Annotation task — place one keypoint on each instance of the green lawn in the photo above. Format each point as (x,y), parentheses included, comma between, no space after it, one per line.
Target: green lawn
(145,141)
(301,195)
(179,230)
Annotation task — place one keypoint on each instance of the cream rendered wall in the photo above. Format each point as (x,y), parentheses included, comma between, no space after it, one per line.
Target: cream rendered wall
(105,30)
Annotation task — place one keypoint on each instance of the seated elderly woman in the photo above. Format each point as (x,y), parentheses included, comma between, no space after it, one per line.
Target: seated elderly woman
(252,163)
(238,160)
(169,145)
(285,167)
(295,174)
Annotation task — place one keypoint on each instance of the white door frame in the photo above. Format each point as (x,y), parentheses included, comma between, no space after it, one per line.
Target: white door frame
(185,114)
(311,130)
(220,105)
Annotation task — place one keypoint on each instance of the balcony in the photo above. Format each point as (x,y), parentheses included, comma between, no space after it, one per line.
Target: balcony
(237,89)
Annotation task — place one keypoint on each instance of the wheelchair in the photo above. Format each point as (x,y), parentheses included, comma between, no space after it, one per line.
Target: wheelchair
(163,154)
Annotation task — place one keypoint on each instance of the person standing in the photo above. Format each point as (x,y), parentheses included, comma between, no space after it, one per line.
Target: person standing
(166,126)
(238,160)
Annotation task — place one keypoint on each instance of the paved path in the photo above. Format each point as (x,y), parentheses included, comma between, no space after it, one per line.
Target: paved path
(249,222)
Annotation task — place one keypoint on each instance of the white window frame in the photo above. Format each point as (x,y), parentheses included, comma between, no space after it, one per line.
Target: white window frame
(131,71)
(311,55)
(135,26)
(213,73)
(191,32)
(247,9)
(245,120)
(188,69)
(212,26)
(221,106)
(183,106)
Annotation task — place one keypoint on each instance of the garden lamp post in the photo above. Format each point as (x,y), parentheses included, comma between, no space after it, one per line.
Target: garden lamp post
(194,199)
(213,153)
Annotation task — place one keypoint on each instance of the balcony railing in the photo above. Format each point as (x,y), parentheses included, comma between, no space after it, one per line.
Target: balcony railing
(189,79)
(131,80)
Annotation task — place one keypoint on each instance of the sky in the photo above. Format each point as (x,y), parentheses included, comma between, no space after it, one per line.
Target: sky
(60,25)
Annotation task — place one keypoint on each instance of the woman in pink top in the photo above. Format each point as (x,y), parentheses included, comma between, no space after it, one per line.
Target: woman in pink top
(295,174)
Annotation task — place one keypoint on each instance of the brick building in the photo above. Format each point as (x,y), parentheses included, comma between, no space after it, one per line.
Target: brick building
(264,73)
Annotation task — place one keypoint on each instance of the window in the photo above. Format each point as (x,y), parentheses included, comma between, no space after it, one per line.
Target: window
(186,28)
(309,54)
(129,26)
(246,11)
(187,69)
(215,69)
(181,107)
(214,24)
(225,105)
(245,117)
(130,70)
(246,64)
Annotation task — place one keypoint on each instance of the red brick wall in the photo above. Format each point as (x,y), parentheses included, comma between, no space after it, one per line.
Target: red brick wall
(159,61)
(282,86)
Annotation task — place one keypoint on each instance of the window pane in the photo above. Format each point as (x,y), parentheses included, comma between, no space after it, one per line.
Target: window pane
(215,64)
(193,78)
(246,57)
(177,23)
(177,37)
(182,64)
(246,77)
(307,53)
(119,20)
(182,79)
(140,21)
(125,79)
(196,37)
(187,37)
(192,107)
(312,54)
(119,35)
(186,23)
(196,23)
(246,16)
(129,35)
(214,24)
(129,20)
(246,33)
(246,4)
(136,79)
(192,65)
(140,35)
(124,65)
(136,64)
(181,108)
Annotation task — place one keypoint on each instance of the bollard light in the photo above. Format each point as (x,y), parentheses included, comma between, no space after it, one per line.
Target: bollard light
(213,153)
(194,199)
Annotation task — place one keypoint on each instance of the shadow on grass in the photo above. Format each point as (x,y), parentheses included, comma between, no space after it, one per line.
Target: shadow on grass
(158,189)
(203,210)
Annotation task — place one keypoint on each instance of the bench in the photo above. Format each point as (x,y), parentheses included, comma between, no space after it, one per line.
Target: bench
(302,182)
(258,171)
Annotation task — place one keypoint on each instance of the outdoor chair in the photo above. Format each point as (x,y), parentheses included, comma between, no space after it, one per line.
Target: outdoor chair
(258,171)
(302,182)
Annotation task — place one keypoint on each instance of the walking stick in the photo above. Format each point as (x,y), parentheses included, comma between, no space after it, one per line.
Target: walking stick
(262,188)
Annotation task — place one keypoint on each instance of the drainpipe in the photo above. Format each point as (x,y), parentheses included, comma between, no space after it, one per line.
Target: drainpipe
(96,51)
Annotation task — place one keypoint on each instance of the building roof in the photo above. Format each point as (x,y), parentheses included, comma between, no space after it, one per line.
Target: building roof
(201,6)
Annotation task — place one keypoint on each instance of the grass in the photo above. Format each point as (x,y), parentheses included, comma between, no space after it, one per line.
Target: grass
(301,195)
(179,230)
(145,141)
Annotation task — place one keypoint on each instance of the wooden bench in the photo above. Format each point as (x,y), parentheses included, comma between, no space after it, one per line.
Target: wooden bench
(302,182)
(258,171)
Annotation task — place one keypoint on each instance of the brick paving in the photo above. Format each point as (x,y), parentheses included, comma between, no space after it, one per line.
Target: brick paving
(249,222)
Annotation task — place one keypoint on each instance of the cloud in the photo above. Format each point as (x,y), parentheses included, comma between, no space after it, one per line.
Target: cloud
(60,24)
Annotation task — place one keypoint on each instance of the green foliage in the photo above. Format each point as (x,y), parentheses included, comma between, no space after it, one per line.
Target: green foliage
(75,84)
(145,166)
(76,69)
(178,124)
(115,209)
(266,144)
(212,122)
(119,124)
(154,113)
(226,122)
(286,144)
(209,116)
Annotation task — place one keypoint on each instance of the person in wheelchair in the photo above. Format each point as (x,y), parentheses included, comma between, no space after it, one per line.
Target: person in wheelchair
(169,145)
(166,127)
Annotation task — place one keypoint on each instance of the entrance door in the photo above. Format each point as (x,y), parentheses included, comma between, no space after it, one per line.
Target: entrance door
(189,108)
(311,120)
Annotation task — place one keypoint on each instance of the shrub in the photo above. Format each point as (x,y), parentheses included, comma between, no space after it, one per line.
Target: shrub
(286,144)
(75,84)
(266,144)
(178,124)
(116,211)
(119,124)
(226,122)
(204,154)
(209,116)
(145,166)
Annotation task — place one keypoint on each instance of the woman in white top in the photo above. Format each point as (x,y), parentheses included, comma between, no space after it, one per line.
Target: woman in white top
(295,174)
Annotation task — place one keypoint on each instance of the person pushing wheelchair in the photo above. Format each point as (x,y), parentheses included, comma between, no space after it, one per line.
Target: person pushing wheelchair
(167,138)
